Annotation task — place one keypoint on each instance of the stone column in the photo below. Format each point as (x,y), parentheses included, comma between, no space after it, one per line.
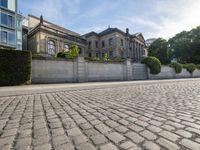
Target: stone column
(128,72)
(81,70)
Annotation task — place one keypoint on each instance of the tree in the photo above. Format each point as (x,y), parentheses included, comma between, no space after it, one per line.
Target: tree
(186,46)
(159,49)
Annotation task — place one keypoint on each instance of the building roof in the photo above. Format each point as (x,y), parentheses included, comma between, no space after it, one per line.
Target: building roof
(111,30)
(57,27)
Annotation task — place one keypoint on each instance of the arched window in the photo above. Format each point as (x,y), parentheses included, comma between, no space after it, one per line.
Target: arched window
(51,47)
(66,47)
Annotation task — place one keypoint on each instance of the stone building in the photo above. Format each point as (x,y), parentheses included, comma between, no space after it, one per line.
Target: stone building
(10,25)
(115,43)
(40,36)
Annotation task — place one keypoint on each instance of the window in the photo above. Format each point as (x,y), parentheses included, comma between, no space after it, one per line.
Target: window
(97,55)
(10,21)
(122,42)
(89,44)
(110,42)
(7,20)
(66,47)
(90,54)
(4,19)
(4,37)
(103,55)
(97,44)
(4,3)
(111,54)
(51,48)
(11,38)
(103,43)
(80,50)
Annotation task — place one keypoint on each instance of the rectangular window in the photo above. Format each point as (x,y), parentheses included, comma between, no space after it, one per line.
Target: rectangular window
(89,44)
(103,43)
(97,55)
(10,21)
(122,42)
(97,44)
(4,19)
(4,3)
(110,42)
(7,20)
(11,38)
(90,54)
(4,37)
(103,55)
(111,54)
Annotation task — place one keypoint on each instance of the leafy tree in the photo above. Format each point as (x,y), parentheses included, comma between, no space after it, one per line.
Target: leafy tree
(73,52)
(186,46)
(159,49)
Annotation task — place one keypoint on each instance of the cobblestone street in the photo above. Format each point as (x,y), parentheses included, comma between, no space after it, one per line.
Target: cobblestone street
(149,116)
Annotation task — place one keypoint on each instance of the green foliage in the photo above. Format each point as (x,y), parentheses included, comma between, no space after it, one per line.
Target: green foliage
(105,57)
(186,46)
(190,67)
(159,49)
(177,67)
(61,54)
(153,63)
(198,67)
(71,54)
(15,67)
(38,56)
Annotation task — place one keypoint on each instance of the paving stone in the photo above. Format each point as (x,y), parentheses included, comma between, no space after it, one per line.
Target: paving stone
(148,145)
(134,137)
(74,132)
(167,144)
(190,144)
(108,146)
(80,139)
(103,128)
(154,129)
(86,146)
(99,139)
(169,135)
(128,145)
(184,133)
(67,146)
(121,129)
(115,137)
(149,135)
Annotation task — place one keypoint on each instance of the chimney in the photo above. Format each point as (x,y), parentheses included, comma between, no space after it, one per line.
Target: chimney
(127,30)
(41,19)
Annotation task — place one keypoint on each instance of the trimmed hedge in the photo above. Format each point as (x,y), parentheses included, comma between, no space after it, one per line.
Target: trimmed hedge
(198,67)
(153,63)
(177,67)
(190,67)
(15,67)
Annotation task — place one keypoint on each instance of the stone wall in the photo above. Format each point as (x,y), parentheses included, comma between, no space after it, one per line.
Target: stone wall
(79,70)
(169,73)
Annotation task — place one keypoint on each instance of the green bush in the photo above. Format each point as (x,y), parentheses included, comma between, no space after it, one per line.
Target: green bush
(177,67)
(190,67)
(15,67)
(198,67)
(153,63)
(105,57)
(71,54)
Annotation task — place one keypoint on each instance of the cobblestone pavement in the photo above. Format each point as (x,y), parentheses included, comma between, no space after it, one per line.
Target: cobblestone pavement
(156,116)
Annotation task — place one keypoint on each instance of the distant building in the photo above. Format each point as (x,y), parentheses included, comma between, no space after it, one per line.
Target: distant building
(41,36)
(10,25)
(115,43)
(149,42)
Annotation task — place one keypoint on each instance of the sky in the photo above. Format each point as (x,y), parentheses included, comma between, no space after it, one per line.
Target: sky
(153,18)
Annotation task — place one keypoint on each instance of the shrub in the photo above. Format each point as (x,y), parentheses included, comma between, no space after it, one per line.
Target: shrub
(153,63)
(15,67)
(198,67)
(71,54)
(190,67)
(105,57)
(38,56)
(61,54)
(177,67)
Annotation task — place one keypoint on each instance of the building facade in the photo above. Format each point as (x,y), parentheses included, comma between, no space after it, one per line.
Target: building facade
(10,25)
(40,36)
(115,43)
